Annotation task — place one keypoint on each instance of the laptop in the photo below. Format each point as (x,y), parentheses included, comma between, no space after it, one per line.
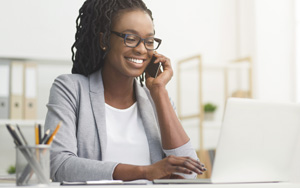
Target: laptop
(257,142)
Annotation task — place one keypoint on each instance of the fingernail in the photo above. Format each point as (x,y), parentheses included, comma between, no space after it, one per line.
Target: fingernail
(204,169)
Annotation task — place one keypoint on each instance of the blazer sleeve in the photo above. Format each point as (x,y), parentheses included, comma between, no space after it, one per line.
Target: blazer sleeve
(65,164)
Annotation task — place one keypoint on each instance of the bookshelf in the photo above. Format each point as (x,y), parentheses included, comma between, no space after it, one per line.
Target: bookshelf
(31,88)
(192,72)
(21,122)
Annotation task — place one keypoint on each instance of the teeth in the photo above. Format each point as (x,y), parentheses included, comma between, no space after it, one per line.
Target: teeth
(139,61)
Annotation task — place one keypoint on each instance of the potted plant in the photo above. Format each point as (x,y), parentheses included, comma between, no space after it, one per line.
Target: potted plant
(209,109)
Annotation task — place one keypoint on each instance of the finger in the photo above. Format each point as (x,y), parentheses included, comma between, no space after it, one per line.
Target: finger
(186,162)
(158,55)
(196,163)
(161,58)
(184,170)
(164,60)
(192,166)
(195,166)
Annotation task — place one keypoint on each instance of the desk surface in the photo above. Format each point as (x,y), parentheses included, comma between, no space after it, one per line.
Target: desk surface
(250,185)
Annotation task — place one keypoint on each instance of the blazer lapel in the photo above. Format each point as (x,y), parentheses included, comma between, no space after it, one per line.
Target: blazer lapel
(150,123)
(98,107)
(146,109)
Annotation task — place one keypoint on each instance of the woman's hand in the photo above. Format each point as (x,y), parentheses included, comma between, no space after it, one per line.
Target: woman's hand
(163,77)
(166,168)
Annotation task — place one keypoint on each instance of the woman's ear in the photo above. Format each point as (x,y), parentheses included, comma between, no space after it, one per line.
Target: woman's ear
(102,45)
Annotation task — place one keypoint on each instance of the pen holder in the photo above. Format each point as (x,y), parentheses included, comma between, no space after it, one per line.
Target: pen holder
(33,165)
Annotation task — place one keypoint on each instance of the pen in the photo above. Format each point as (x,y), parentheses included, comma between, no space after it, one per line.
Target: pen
(40,133)
(49,141)
(22,135)
(45,136)
(14,135)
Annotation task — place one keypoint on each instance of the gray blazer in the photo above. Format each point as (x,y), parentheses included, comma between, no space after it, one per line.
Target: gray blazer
(77,149)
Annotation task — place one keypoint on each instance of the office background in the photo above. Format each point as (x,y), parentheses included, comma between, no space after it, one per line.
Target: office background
(220,31)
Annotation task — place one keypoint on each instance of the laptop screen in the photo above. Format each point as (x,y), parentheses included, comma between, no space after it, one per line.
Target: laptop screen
(257,141)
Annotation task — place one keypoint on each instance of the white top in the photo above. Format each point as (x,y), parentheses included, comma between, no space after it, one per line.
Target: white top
(126,138)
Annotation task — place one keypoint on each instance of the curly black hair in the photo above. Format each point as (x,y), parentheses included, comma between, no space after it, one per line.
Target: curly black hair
(95,17)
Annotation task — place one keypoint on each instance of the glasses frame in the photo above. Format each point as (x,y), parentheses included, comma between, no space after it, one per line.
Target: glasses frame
(124,36)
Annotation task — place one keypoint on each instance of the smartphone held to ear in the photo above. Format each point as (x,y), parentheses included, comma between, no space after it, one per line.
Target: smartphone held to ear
(153,69)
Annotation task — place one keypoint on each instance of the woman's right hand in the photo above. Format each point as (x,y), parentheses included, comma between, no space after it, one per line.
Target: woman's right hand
(173,164)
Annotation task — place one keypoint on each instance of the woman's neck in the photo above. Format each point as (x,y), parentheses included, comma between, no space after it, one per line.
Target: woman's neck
(119,92)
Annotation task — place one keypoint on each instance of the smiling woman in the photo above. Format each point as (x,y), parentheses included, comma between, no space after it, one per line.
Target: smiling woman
(113,127)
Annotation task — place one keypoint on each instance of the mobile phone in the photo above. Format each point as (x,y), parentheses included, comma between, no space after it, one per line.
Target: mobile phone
(153,69)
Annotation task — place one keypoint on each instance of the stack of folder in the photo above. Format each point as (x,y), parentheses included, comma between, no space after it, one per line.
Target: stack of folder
(18,92)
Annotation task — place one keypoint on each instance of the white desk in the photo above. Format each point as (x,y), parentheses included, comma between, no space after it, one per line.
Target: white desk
(251,185)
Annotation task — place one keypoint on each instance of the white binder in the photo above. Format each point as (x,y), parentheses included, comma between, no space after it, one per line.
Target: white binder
(30,91)
(16,90)
(4,88)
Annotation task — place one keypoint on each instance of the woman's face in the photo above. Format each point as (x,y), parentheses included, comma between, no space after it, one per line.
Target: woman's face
(124,60)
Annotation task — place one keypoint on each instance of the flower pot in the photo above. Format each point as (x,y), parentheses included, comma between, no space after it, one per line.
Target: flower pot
(209,116)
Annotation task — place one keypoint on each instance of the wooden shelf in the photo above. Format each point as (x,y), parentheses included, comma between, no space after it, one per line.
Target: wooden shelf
(21,122)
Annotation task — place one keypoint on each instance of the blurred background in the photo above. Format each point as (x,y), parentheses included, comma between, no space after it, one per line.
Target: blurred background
(218,49)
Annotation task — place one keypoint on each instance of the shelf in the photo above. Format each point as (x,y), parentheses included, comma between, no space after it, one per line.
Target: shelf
(21,122)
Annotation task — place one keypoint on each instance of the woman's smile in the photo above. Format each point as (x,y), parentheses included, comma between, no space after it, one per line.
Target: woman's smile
(136,63)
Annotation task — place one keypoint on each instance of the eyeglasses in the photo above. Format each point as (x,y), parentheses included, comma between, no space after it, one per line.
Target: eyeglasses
(133,40)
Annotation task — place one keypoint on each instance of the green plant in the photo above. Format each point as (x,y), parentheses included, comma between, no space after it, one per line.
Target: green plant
(11,169)
(209,107)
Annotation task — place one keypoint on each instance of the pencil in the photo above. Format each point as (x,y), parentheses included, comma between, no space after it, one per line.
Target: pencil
(36,128)
(49,141)
(45,136)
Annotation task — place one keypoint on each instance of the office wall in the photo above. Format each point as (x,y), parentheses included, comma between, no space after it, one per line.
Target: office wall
(297,49)
(38,29)
(267,34)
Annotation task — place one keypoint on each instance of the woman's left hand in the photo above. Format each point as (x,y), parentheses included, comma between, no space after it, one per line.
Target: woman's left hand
(163,77)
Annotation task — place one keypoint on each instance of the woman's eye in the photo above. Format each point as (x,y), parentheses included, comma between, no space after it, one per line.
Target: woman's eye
(131,39)
(150,43)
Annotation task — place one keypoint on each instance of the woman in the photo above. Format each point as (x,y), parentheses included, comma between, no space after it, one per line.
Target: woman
(113,127)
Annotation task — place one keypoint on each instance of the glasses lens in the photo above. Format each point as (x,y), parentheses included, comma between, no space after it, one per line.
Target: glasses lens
(132,40)
(150,43)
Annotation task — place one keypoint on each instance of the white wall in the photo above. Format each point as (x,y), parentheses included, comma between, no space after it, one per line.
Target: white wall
(38,29)
(267,33)
(297,49)
(275,49)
